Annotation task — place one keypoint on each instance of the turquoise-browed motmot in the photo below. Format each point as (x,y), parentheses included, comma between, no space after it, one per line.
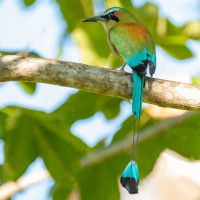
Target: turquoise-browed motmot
(133,43)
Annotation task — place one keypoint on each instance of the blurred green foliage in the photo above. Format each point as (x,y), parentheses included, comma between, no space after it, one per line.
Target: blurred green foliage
(196,80)
(29,134)
(29,2)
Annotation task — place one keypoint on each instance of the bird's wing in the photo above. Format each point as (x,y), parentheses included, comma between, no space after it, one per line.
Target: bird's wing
(133,43)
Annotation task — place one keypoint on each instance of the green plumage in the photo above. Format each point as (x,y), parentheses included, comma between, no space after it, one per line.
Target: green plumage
(133,43)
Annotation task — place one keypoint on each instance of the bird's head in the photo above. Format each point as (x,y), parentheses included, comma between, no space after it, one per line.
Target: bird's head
(113,16)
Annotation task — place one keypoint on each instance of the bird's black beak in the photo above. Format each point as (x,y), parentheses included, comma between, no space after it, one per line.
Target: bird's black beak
(94,19)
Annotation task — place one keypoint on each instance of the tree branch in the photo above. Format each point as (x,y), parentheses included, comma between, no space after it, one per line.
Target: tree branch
(126,143)
(99,80)
(10,188)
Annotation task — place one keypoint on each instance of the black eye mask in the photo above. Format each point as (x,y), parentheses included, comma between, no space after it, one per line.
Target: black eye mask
(111,16)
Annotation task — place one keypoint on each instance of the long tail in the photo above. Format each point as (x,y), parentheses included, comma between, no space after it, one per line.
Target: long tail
(137,94)
(130,176)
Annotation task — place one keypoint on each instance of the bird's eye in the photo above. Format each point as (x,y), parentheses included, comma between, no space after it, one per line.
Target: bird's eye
(110,16)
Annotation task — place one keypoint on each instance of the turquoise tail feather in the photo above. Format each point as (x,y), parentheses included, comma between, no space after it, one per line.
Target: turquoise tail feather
(137,94)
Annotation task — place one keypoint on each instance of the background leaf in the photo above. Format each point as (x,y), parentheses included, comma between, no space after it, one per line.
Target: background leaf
(20,145)
(83,105)
(29,2)
(196,80)
(28,87)
(99,183)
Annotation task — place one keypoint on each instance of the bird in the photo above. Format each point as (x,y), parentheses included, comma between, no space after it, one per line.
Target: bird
(134,44)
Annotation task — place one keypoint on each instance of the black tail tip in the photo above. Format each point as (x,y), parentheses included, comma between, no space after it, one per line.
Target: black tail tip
(130,184)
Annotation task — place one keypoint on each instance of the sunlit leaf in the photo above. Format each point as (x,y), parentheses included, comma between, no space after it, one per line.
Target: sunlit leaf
(196,80)
(87,7)
(110,3)
(172,29)
(93,46)
(192,30)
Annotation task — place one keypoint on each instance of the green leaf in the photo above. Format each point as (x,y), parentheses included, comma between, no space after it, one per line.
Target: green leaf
(60,192)
(196,80)
(92,44)
(192,30)
(83,105)
(20,145)
(114,61)
(29,134)
(60,150)
(184,139)
(3,117)
(87,7)
(99,182)
(60,157)
(172,29)
(28,87)
(126,4)
(29,2)
(172,40)
(187,135)
(88,42)
(73,18)
(178,51)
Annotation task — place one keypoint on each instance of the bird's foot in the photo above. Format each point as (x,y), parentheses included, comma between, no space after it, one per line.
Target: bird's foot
(122,68)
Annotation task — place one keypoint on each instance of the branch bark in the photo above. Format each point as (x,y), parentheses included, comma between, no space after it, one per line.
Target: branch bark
(98,80)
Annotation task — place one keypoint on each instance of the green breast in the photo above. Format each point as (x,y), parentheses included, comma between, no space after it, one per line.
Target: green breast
(132,42)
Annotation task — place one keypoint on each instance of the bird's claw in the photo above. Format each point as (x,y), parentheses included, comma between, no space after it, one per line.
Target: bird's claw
(122,68)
